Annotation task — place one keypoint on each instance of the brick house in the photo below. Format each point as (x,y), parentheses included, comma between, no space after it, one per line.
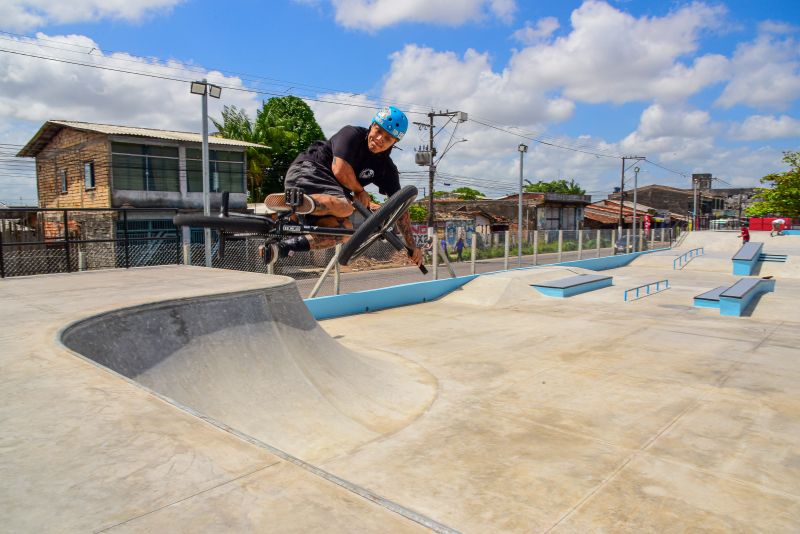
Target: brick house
(540,211)
(87,165)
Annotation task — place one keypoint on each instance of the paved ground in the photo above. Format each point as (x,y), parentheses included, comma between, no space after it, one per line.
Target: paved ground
(500,410)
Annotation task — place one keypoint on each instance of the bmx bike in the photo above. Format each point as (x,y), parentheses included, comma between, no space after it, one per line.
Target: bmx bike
(377,225)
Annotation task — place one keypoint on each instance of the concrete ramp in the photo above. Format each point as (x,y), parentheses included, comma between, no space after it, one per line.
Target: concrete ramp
(508,289)
(258,362)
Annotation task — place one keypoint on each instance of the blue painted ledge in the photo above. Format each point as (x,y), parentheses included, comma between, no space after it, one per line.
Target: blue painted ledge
(791,232)
(735,307)
(419,292)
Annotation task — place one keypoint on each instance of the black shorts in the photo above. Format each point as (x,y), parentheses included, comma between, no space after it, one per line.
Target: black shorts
(314,178)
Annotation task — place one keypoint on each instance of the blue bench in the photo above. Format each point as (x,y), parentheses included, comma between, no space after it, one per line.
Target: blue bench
(573,285)
(745,261)
(734,300)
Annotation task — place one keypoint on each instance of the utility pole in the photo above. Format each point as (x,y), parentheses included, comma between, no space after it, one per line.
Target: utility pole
(622,190)
(426,157)
(431,173)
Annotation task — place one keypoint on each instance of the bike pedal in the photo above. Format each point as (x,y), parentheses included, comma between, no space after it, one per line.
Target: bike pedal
(293,196)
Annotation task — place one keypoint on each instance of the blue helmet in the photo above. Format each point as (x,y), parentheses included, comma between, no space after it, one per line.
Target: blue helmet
(393,121)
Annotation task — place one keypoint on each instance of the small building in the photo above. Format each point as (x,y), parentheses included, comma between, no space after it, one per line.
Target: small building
(540,211)
(89,165)
(605,214)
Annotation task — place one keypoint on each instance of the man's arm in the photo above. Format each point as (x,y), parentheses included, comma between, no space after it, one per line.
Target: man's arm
(346,176)
(404,224)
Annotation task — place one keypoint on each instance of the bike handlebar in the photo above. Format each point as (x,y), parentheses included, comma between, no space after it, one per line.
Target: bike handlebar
(390,237)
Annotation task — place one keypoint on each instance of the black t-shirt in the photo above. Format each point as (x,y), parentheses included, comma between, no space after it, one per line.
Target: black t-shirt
(350,144)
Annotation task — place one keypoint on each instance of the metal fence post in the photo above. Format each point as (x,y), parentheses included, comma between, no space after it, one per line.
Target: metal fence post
(187,254)
(580,243)
(2,260)
(66,241)
(627,241)
(125,234)
(560,244)
(507,247)
(337,273)
(613,241)
(599,236)
(435,253)
(177,246)
(474,252)
(536,247)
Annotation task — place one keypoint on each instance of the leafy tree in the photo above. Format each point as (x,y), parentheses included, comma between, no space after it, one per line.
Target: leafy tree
(418,213)
(555,186)
(467,193)
(783,195)
(236,125)
(286,125)
(294,127)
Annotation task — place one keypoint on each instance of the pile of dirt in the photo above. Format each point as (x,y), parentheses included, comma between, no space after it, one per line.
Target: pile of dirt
(398,259)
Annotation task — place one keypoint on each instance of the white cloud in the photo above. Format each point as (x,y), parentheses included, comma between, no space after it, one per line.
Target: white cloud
(468,83)
(611,56)
(534,34)
(25,15)
(331,115)
(37,90)
(760,127)
(766,74)
(676,135)
(372,15)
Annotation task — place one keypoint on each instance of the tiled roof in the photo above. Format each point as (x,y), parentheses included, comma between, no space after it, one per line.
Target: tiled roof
(51,128)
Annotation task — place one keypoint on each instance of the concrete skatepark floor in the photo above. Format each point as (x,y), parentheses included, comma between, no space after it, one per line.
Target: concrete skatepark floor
(493,409)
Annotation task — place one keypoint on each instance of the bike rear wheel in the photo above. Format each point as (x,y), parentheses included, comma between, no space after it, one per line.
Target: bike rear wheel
(231,225)
(377,224)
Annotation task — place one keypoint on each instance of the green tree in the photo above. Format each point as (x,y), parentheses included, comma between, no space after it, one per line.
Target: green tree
(555,186)
(418,213)
(286,125)
(783,195)
(293,127)
(237,125)
(467,193)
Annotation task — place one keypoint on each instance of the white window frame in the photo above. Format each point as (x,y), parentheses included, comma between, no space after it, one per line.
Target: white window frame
(90,166)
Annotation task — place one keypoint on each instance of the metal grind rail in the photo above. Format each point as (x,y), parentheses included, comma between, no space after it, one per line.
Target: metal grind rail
(679,262)
(659,286)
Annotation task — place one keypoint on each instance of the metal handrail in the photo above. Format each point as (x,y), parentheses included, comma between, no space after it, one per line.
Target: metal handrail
(647,286)
(687,256)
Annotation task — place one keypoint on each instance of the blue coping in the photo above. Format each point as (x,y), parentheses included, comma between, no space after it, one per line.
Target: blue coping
(573,290)
(734,306)
(745,267)
(383,298)
(419,292)
(791,232)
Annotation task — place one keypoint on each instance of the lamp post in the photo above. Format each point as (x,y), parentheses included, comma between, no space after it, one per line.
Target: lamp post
(635,185)
(522,149)
(205,89)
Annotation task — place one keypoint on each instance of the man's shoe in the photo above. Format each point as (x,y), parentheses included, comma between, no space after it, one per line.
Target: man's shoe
(269,253)
(276,203)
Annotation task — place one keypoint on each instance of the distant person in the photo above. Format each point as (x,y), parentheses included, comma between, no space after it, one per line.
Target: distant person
(444,246)
(777,227)
(427,248)
(460,249)
(745,235)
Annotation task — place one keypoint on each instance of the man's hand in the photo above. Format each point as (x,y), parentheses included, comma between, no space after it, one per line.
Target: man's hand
(417,257)
(363,197)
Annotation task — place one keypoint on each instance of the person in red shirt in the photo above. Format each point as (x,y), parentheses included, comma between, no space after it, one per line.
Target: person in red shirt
(745,235)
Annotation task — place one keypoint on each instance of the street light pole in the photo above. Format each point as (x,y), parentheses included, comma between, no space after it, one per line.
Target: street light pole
(203,88)
(635,186)
(206,193)
(522,149)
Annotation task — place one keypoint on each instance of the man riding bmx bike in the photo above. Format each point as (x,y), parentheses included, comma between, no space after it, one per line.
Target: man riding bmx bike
(331,173)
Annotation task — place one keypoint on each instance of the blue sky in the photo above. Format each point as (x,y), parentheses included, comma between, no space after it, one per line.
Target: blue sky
(696,87)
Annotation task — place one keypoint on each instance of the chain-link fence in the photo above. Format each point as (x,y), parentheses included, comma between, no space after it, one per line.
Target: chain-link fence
(36,241)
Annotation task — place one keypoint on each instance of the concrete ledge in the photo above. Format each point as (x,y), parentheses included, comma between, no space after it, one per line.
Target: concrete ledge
(746,259)
(573,285)
(734,306)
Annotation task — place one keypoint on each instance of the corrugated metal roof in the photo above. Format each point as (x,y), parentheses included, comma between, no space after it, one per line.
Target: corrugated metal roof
(51,128)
